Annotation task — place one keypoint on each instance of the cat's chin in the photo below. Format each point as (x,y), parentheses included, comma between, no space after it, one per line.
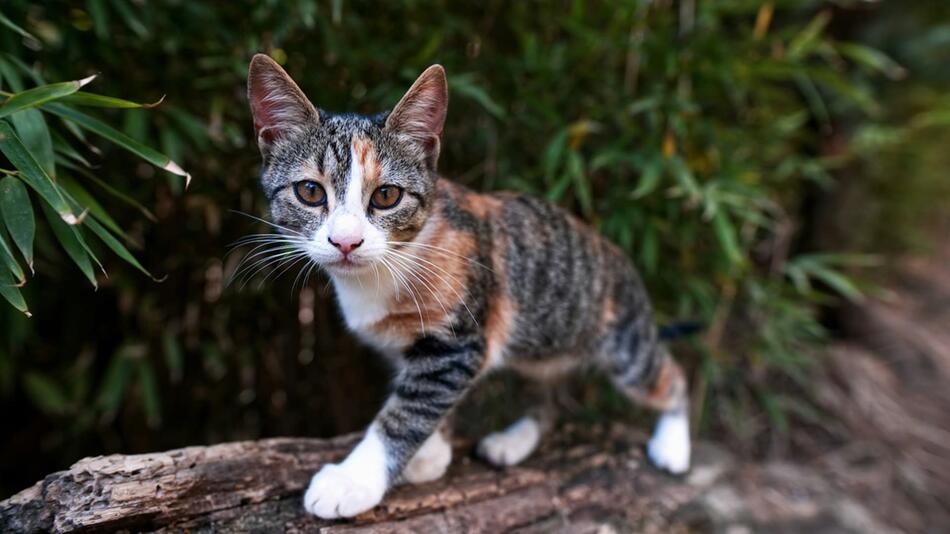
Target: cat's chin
(348,268)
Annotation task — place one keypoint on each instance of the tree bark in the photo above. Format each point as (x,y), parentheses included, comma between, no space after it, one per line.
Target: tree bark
(580,481)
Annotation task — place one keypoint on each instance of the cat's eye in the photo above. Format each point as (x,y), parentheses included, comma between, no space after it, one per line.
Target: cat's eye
(385,197)
(310,193)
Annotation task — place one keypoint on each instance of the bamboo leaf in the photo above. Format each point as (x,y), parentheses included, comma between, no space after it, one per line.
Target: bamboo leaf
(12,294)
(7,258)
(33,132)
(873,59)
(82,98)
(726,233)
(72,242)
(104,130)
(32,173)
(17,214)
(39,95)
(23,33)
(82,199)
(45,393)
(649,178)
(115,382)
(151,399)
(114,244)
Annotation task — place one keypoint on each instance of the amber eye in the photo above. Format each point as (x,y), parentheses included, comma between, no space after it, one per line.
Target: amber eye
(310,193)
(385,197)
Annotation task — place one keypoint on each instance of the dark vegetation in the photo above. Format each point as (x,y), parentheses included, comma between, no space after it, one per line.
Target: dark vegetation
(760,161)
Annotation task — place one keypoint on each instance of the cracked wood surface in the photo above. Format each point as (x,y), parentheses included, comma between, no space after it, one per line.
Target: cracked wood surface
(581,480)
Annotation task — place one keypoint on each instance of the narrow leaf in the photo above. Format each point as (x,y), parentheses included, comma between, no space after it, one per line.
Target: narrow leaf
(726,233)
(45,393)
(32,173)
(18,215)
(82,200)
(104,130)
(649,178)
(23,33)
(148,386)
(12,294)
(72,242)
(33,132)
(81,98)
(115,245)
(7,258)
(39,95)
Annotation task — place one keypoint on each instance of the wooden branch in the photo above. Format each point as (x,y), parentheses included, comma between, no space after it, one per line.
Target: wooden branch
(581,478)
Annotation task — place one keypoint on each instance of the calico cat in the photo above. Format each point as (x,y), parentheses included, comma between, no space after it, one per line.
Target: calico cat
(448,283)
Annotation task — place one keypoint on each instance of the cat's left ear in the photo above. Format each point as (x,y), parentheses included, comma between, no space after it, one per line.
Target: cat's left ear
(279,107)
(420,114)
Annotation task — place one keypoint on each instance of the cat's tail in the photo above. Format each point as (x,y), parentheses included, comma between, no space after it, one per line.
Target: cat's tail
(680,329)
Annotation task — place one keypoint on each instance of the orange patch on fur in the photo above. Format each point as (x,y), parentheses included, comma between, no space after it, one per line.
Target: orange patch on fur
(436,278)
(368,161)
(610,311)
(669,387)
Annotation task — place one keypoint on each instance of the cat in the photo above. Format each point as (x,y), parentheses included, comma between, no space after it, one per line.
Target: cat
(449,284)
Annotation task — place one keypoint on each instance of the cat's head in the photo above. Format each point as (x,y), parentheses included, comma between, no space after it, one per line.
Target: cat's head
(345,187)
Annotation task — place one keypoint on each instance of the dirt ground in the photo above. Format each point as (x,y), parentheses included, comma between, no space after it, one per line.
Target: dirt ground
(887,386)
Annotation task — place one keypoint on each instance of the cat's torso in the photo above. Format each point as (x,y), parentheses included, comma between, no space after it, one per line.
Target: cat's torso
(541,288)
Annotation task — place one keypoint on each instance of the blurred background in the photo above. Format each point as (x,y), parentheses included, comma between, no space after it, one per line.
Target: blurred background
(776,169)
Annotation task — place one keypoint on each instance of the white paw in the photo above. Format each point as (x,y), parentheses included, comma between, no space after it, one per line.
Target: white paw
(669,447)
(511,445)
(430,461)
(333,493)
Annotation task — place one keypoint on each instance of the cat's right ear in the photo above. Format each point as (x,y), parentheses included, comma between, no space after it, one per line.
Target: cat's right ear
(279,107)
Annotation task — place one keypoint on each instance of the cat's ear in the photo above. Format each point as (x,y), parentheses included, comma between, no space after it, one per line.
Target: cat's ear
(420,114)
(279,107)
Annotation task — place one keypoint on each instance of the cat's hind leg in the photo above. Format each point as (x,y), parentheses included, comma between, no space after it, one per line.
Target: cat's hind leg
(516,442)
(433,458)
(655,380)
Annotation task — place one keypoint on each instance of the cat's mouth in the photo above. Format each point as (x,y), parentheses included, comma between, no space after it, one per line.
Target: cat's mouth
(347,265)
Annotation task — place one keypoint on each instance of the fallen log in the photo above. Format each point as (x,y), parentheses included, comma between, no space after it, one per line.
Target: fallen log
(582,480)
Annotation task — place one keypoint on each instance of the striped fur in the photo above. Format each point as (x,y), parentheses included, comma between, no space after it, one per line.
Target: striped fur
(451,284)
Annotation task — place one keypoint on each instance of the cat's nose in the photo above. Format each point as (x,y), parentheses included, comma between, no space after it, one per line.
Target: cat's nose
(346,244)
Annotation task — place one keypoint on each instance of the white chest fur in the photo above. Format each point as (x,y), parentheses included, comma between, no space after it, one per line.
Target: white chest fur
(364,302)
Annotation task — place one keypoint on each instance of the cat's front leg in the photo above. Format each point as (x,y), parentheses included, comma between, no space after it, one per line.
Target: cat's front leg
(436,375)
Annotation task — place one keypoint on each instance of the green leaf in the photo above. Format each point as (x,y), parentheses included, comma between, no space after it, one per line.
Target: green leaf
(649,178)
(39,95)
(34,134)
(81,98)
(466,88)
(575,168)
(104,130)
(113,191)
(553,153)
(726,233)
(151,400)
(32,173)
(115,245)
(23,33)
(82,199)
(115,381)
(873,59)
(72,242)
(6,255)
(45,393)
(12,294)
(17,214)
(806,39)
(174,358)
(100,17)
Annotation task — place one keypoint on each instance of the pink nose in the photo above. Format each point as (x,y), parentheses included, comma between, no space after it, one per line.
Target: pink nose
(346,244)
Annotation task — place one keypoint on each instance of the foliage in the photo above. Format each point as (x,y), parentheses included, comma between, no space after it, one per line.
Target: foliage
(691,133)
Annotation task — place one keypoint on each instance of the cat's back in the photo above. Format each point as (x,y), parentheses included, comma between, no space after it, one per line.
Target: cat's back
(563,278)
